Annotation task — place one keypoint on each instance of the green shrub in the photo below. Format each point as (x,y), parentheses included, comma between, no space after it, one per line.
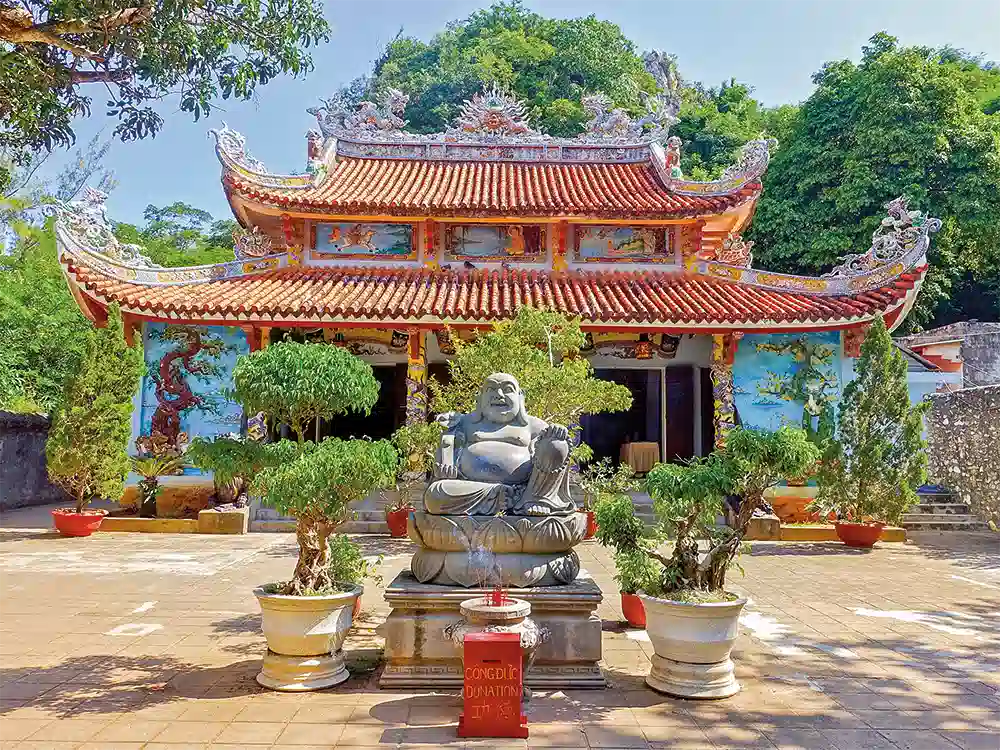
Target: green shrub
(871,469)
(87,447)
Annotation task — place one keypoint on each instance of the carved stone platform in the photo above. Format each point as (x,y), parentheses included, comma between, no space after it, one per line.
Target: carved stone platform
(528,550)
(419,655)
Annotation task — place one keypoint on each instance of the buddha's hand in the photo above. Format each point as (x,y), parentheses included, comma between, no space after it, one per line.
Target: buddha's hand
(554,432)
(445,471)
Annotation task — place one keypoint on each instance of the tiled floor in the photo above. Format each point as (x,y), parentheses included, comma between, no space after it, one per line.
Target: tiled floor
(127,641)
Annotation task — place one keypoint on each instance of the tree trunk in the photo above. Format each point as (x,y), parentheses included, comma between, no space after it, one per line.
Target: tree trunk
(81,502)
(312,573)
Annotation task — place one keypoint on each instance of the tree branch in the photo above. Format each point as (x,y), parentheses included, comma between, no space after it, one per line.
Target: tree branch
(99,76)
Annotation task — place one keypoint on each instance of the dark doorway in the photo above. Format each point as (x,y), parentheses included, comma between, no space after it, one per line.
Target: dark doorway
(605,433)
(388,413)
(679,443)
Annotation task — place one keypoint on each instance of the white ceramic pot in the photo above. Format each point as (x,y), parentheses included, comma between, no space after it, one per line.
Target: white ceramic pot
(692,644)
(305,635)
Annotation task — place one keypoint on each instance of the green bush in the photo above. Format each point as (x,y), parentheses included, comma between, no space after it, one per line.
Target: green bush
(87,447)
(872,468)
(296,383)
(347,564)
(687,499)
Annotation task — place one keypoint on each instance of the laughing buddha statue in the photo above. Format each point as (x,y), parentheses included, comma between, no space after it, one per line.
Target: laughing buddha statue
(500,459)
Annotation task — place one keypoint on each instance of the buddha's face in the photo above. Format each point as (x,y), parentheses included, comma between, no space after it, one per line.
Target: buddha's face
(500,399)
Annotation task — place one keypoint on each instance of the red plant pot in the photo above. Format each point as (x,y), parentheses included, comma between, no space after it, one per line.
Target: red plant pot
(357,608)
(70,523)
(859,534)
(591,525)
(397,522)
(634,611)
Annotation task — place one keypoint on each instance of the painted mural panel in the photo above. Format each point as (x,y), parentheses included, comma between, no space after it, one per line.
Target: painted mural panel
(364,240)
(617,243)
(779,377)
(189,370)
(494,241)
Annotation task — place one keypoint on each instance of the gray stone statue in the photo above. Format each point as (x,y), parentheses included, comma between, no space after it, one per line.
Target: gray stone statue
(500,494)
(500,458)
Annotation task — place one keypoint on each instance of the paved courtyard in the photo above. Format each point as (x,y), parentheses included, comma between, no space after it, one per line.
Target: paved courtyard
(128,641)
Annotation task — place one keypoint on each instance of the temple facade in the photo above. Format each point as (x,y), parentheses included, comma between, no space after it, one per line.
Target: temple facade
(392,243)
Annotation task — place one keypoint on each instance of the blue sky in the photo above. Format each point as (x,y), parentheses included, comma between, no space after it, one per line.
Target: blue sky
(773,45)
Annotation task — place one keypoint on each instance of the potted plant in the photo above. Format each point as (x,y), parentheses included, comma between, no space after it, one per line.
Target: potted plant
(872,468)
(416,445)
(86,451)
(618,528)
(691,619)
(348,565)
(306,618)
(151,468)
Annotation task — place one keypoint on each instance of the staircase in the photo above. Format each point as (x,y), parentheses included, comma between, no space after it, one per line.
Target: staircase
(939,510)
(643,504)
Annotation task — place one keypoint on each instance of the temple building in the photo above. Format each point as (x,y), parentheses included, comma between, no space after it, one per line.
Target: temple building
(392,243)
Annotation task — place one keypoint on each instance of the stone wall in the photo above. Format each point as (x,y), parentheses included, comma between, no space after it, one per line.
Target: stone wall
(23,478)
(963,432)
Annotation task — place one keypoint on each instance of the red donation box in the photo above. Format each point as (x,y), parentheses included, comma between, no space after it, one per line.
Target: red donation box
(492,687)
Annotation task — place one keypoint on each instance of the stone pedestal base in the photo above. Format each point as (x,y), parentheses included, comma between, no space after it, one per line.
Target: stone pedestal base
(686,680)
(419,655)
(764,529)
(300,673)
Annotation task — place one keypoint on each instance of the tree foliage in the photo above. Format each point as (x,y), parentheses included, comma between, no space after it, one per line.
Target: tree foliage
(547,63)
(294,384)
(181,235)
(43,334)
(907,121)
(58,54)
(542,350)
(86,451)
(871,470)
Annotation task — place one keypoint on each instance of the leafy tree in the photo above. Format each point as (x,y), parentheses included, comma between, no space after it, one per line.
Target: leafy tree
(547,63)
(903,121)
(234,461)
(687,499)
(87,445)
(871,470)
(542,350)
(43,334)
(55,51)
(294,384)
(181,235)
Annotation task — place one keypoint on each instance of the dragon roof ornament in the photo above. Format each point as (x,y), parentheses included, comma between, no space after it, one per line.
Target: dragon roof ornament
(231,148)
(86,221)
(899,241)
(251,243)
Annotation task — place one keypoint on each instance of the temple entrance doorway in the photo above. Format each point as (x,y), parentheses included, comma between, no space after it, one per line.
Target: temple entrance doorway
(643,423)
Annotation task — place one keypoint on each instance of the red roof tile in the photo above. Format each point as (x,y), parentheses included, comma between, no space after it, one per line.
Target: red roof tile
(423,295)
(405,187)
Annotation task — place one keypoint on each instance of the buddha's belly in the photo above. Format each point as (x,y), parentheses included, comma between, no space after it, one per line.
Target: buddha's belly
(489,461)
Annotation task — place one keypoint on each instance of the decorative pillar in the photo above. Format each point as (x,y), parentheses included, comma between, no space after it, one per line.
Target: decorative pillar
(131,325)
(723,355)
(294,250)
(854,338)
(416,378)
(253,335)
(430,245)
(265,337)
(559,253)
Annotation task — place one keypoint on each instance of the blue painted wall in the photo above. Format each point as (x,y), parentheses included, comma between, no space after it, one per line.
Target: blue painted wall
(776,375)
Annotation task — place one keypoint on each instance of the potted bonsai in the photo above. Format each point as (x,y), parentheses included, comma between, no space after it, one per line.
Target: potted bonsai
(691,618)
(416,445)
(871,470)
(87,448)
(306,618)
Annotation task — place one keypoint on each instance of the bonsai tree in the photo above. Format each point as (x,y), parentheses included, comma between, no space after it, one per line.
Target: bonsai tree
(235,460)
(602,481)
(295,384)
(872,468)
(687,499)
(151,468)
(87,447)
(416,445)
(541,349)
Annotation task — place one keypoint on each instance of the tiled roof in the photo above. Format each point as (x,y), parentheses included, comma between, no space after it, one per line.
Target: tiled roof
(424,295)
(407,187)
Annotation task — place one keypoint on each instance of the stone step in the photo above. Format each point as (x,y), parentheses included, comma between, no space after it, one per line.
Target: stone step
(955,523)
(942,508)
(936,497)
(935,517)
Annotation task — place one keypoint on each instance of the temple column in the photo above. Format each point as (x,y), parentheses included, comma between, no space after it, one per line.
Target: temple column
(723,355)
(416,378)
(295,251)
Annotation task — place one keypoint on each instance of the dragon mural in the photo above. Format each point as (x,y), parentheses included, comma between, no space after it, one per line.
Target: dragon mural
(193,354)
